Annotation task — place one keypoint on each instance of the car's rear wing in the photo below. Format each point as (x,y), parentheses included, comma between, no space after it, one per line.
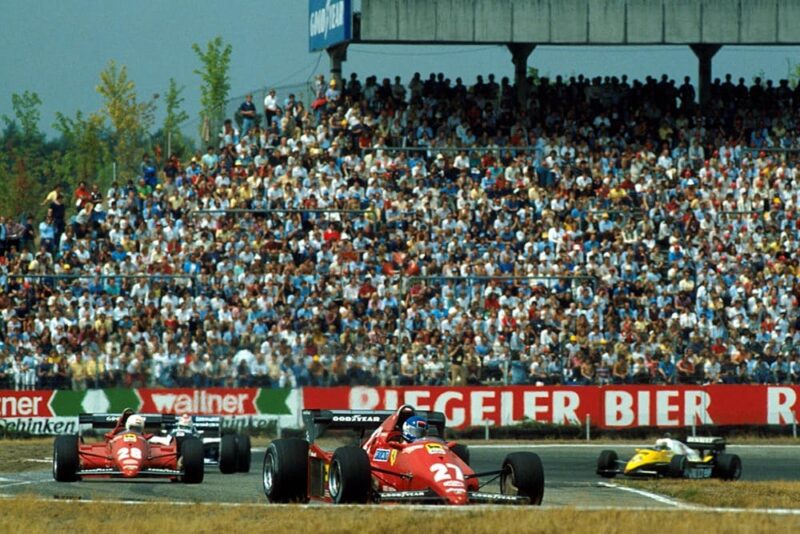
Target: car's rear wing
(716,444)
(317,421)
(210,425)
(109,420)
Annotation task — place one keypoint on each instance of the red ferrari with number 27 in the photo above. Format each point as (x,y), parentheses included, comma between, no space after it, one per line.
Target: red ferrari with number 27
(389,467)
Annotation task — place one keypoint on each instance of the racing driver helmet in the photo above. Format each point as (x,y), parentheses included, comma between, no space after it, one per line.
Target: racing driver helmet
(185,423)
(414,428)
(135,423)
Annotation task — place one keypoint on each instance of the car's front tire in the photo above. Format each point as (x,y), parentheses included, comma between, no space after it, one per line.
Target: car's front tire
(350,476)
(607,464)
(523,475)
(66,459)
(192,459)
(284,475)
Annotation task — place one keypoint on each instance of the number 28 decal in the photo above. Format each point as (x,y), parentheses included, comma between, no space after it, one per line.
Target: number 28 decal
(442,472)
(125,453)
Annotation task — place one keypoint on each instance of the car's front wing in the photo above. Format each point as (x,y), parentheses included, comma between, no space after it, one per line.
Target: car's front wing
(144,473)
(430,497)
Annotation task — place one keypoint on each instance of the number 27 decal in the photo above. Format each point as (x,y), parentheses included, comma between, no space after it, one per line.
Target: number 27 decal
(442,472)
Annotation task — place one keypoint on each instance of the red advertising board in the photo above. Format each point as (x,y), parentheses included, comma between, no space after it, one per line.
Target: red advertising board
(213,401)
(25,403)
(609,407)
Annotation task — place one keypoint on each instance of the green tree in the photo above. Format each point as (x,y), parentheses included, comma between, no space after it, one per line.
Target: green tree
(84,152)
(22,172)
(130,119)
(216,84)
(26,117)
(171,135)
(21,190)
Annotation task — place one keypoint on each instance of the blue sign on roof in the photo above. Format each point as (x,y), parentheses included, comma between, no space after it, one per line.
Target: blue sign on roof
(329,23)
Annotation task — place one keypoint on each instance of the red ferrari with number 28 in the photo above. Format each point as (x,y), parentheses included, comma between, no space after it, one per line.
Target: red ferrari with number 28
(127,451)
(398,462)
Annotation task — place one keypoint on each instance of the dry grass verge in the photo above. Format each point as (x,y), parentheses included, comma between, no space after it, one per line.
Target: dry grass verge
(15,455)
(25,515)
(739,494)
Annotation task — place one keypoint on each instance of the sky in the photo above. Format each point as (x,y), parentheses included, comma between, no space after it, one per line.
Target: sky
(58,48)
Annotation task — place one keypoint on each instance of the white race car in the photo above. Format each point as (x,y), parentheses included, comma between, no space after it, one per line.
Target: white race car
(228,450)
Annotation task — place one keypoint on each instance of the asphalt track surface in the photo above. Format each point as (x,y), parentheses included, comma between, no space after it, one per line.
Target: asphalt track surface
(570,479)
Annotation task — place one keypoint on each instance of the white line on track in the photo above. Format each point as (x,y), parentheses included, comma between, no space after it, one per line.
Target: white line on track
(23,483)
(650,495)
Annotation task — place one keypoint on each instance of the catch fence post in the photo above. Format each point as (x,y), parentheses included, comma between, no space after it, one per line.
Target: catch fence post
(588,427)
(794,425)
(486,430)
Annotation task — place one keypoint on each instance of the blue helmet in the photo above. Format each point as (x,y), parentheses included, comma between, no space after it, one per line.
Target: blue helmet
(414,428)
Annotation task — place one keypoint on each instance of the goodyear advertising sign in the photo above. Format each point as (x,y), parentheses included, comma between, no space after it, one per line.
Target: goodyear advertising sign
(329,23)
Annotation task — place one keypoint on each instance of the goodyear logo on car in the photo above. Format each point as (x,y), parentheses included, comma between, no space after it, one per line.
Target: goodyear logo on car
(382,455)
(434,448)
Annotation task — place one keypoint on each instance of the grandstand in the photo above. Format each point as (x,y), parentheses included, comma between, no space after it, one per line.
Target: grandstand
(432,231)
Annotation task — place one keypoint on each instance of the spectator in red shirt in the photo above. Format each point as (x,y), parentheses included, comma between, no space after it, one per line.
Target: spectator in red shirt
(82,194)
(685,369)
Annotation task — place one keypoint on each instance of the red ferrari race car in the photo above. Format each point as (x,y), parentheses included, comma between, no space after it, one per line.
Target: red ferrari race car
(398,462)
(128,451)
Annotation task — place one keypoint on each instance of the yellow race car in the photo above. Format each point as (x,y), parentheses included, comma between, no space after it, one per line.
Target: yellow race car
(699,457)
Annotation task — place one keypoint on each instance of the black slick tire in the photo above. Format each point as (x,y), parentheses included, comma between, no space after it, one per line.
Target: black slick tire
(284,475)
(350,476)
(523,475)
(66,459)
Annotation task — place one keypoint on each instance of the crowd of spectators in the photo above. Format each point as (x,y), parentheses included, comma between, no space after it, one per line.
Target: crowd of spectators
(602,231)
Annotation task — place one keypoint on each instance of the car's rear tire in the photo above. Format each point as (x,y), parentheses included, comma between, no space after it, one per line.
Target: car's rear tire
(66,459)
(192,458)
(727,467)
(350,476)
(607,464)
(523,475)
(677,466)
(243,453)
(462,451)
(228,454)
(284,475)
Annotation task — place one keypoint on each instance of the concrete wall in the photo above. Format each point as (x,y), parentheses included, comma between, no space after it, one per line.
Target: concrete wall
(582,21)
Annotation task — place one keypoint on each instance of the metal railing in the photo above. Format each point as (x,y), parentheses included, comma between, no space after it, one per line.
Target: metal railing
(279,210)
(509,278)
(192,278)
(468,149)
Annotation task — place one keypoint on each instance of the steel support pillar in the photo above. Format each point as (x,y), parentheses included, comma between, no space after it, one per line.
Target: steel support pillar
(705,53)
(519,56)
